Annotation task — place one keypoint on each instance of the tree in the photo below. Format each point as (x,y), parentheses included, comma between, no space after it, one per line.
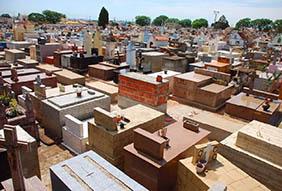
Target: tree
(172,20)
(199,23)
(185,23)
(53,17)
(262,24)
(277,25)
(6,15)
(160,20)
(36,17)
(246,22)
(142,20)
(103,19)
(222,23)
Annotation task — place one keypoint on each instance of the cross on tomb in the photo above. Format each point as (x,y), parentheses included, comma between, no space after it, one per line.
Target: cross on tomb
(14,146)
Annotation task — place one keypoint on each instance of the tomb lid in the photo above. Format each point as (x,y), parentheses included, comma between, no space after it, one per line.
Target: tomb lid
(89,171)
(104,87)
(143,77)
(153,54)
(48,67)
(174,58)
(69,74)
(215,88)
(27,61)
(192,76)
(20,72)
(101,67)
(217,64)
(245,101)
(72,99)
(14,51)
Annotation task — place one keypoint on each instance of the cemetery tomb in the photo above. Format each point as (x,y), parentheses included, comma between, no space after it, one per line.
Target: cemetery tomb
(101,72)
(58,56)
(218,66)
(37,97)
(44,50)
(12,55)
(219,126)
(18,45)
(256,149)
(175,63)
(120,66)
(105,88)
(65,60)
(75,134)
(153,61)
(135,88)
(107,137)
(80,107)
(89,171)
(27,80)
(28,63)
(195,87)
(80,64)
(220,174)
(20,72)
(251,108)
(47,68)
(152,159)
(68,77)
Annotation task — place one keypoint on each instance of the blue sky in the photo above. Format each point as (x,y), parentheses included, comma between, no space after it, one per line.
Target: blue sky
(128,9)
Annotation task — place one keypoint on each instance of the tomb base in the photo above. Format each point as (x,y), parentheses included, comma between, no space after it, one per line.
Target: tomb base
(125,102)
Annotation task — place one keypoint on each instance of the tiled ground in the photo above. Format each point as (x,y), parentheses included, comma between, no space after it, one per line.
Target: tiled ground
(48,156)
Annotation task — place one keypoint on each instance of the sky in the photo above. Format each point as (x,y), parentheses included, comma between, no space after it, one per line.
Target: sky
(128,9)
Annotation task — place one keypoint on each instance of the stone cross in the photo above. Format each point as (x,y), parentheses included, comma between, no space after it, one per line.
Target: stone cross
(14,146)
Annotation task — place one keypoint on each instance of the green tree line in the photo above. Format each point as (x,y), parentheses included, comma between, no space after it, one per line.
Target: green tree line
(222,23)
(46,16)
(161,20)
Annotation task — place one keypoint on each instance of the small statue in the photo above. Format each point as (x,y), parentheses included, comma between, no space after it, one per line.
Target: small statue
(38,80)
(266,104)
